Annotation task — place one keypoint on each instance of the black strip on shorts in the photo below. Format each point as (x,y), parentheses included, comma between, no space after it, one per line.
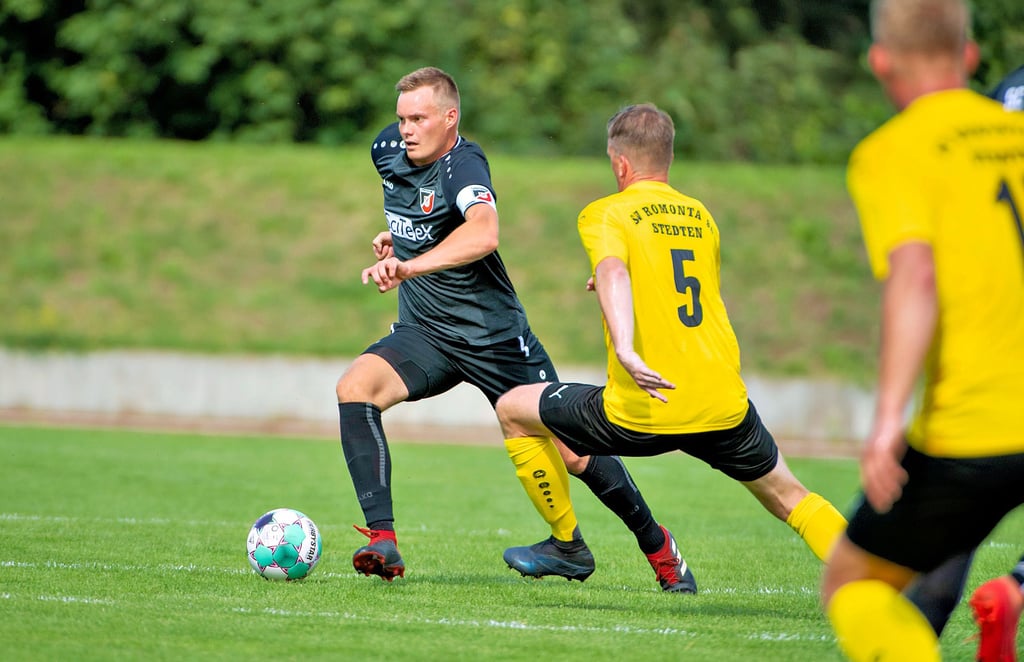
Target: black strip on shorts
(430,365)
(948,506)
(575,414)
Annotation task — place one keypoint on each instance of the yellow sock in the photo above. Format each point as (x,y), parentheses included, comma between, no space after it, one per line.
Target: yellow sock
(818,523)
(875,623)
(545,479)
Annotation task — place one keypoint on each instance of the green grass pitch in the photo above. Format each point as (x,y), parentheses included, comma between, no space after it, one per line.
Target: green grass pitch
(122,545)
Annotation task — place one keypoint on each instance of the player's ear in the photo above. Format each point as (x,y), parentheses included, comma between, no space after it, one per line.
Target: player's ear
(622,166)
(880,61)
(451,118)
(972,56)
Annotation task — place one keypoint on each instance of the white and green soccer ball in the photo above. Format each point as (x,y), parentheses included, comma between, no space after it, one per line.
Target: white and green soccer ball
(284,544)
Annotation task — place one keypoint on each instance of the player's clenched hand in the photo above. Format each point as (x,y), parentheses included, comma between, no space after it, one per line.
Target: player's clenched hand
(645,378)
(386,274)
(382,247)
(881,474)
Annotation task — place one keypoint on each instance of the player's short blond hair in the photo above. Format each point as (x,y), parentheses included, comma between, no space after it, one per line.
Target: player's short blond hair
(644,133)
(446,92)
(921,26)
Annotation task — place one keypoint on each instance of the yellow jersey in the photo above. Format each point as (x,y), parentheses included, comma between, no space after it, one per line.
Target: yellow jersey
(949,171)
(670,244)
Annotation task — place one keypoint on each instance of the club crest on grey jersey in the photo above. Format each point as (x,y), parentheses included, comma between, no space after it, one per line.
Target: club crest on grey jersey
(427,200)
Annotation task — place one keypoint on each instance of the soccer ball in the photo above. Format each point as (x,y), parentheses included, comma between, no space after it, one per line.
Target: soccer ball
(284,544)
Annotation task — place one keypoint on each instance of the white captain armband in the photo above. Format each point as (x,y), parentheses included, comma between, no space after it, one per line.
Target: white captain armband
(474,194)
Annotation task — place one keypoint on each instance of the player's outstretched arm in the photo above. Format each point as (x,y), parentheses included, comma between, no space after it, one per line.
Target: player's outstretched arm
(614,292)
(476,238)
(471,241)
(909,319)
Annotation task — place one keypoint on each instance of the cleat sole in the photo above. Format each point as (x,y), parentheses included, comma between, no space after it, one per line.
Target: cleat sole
(372,563)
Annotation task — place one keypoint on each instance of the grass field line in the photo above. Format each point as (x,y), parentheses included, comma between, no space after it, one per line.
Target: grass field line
(66,599)
(485,623)
(192,568)
(162,521)
(18,517)
(128,567)
(470,623)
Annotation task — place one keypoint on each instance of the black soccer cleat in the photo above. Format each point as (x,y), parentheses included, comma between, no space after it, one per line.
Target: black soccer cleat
(552,557)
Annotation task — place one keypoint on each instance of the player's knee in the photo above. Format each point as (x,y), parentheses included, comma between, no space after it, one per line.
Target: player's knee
(503,408)
(510,414)
(573,462)
(370,379)
(342,390)
(349,389)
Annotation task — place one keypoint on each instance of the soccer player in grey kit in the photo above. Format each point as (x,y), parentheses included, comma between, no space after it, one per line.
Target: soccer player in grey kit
(460,320)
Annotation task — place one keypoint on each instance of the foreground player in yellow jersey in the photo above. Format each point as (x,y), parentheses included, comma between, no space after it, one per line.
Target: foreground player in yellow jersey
(673,361)
(940,193)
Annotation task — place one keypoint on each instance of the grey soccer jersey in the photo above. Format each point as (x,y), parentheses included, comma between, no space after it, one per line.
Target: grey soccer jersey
(474,303)
(1010,91)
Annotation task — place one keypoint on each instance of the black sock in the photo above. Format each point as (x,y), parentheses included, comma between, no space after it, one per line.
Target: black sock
(937,593)
(576,544)
(369,461)
(607,478)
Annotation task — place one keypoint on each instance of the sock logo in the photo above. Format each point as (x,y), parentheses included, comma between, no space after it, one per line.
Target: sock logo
(543,486)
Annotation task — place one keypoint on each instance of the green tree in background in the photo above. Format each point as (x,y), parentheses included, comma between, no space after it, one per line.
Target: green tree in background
(762,80)
(999,29)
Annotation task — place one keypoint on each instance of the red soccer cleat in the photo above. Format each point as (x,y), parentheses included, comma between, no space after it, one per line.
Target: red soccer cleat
(380,557)
(669,567)
(997,605)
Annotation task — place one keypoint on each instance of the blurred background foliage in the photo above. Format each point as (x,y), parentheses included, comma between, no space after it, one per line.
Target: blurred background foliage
(758,80)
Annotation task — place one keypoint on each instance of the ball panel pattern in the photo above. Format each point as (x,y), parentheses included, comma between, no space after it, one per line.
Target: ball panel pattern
(284,544)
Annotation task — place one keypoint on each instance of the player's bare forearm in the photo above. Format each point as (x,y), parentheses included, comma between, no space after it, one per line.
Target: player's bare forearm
(471,241)
(614,292)
(909,318)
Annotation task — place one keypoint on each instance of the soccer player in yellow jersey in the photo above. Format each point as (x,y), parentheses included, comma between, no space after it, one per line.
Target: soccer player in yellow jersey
(673,361)
(940,193)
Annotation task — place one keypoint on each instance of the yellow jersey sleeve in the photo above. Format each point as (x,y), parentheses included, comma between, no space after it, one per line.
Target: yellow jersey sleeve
(893,194)
(600,235)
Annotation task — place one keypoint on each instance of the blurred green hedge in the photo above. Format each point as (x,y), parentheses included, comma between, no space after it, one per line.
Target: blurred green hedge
(762,80)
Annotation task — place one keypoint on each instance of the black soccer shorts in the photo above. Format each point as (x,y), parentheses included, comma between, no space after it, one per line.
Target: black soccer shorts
(430,365)
(575,414)
(948,506)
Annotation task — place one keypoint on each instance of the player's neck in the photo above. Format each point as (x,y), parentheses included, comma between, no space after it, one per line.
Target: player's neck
(918,77)
(637,177)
